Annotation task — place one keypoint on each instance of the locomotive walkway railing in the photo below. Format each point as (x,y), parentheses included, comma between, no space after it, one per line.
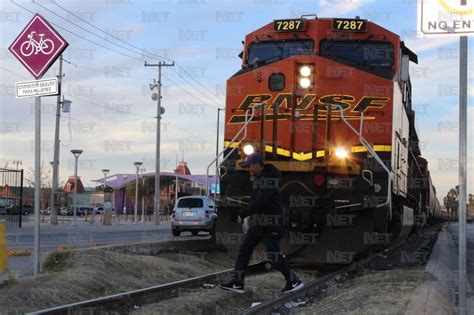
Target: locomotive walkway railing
(243,129)
(369,148)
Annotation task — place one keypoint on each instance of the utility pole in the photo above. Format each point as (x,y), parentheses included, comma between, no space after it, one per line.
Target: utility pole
(54,188)
(159,111)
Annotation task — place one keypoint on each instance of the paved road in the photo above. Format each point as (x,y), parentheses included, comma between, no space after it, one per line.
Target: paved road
(454,230)
(79,235)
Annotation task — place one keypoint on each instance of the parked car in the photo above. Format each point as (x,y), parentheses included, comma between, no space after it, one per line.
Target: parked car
(194,214)
(99,210)
(81,211)
(28,209)
(16,209)
(46,211)
(3,210)
(65,211)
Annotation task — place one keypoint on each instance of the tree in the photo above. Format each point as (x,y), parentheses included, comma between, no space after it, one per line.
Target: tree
(451,202)
(45,177)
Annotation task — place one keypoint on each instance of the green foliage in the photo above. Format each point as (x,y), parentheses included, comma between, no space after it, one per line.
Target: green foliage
(58,261)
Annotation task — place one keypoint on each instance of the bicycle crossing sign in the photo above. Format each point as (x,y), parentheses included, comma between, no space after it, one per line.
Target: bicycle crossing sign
(38,46)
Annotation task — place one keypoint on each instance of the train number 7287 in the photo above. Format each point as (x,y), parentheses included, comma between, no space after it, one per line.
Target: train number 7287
(288,25)
(350,25)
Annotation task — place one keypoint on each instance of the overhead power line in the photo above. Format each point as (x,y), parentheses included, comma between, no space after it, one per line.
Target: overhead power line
(142,52)
(82,37)
(103,71)
(84,29)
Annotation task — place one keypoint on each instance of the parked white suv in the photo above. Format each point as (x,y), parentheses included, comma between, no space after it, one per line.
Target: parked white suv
(194,214)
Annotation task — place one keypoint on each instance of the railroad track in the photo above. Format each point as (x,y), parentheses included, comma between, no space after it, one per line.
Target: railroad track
(314,286)
(127,301)
(309,288)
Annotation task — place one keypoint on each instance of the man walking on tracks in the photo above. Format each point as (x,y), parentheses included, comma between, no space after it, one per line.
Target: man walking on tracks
(265,217)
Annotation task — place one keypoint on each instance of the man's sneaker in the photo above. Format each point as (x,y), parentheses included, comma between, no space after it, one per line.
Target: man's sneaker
(292,286)
(234,286)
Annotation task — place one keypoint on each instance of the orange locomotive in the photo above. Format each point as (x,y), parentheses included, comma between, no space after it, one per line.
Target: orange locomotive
(328,102)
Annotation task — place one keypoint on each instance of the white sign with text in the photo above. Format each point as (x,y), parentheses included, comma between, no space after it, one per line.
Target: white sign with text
(37,88)
(445,17)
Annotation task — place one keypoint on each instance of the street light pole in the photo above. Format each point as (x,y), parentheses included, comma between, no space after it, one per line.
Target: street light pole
(107,211)
(76,154)
(142,170)
(160,111)
(137,166)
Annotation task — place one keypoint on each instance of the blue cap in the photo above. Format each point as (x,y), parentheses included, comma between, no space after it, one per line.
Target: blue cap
(252,158)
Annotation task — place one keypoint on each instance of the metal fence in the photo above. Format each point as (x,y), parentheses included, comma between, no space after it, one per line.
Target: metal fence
(11,197)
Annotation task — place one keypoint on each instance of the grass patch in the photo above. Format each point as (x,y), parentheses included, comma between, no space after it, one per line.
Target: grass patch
(58,261)
(9,282)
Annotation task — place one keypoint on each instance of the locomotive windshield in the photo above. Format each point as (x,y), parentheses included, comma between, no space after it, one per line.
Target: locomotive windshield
(267,52)
(365,53)
(371,56)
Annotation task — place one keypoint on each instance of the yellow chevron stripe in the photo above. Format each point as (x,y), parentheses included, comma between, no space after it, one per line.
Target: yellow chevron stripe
(303,156)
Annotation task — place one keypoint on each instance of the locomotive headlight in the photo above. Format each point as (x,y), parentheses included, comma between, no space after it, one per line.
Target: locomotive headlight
(341,153)
(304,83)
(305,71)
(248,149)
(305,76)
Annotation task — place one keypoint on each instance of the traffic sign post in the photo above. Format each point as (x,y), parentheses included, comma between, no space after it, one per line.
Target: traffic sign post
(454,18)
(37,48)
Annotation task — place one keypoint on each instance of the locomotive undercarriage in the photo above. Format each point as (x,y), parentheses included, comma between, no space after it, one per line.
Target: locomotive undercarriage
(328,217)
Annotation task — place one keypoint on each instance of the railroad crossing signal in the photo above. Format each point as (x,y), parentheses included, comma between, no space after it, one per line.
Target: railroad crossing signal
(38,46)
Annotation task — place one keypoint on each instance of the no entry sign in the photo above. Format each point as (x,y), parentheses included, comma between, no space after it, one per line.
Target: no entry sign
(446,17)
(38,46)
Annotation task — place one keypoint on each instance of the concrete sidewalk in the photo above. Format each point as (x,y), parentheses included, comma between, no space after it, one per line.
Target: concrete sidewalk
(80,235)
(65,225)
(437,294)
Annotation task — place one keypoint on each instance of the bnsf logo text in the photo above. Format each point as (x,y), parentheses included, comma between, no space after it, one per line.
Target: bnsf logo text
(282,102)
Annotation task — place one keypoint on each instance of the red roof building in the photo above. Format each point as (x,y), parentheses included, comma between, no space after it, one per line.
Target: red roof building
(69,185)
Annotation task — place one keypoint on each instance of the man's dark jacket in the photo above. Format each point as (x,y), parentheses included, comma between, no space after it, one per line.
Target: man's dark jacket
(265,205)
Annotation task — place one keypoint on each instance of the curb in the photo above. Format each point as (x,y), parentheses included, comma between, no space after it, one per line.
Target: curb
(434,294)
(19,252)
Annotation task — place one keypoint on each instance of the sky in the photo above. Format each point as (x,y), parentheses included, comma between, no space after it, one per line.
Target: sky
(112,115)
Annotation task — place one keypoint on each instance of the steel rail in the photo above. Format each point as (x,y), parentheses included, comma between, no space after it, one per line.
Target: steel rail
(136,297)
(268,306)
(312,286)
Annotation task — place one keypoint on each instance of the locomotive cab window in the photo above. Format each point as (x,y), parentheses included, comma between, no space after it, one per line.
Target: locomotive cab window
(276,82)
(371,56)
(263,53)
